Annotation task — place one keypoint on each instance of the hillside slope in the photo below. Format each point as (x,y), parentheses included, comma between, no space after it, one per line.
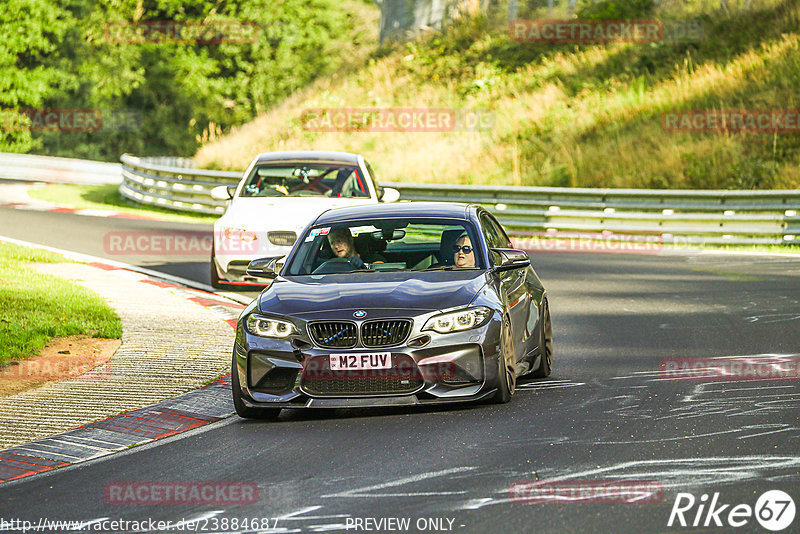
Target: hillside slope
(564,114)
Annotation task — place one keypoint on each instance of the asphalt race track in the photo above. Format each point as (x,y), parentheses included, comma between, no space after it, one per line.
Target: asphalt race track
(608,415)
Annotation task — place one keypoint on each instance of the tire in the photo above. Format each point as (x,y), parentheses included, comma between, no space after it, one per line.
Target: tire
(245,411)
(545,344)
(213,274)
(506,365)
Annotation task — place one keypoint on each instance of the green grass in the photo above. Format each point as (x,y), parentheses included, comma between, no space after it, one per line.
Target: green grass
(771,249)
(107,197)
(601,245)
(564,114)
(36,308)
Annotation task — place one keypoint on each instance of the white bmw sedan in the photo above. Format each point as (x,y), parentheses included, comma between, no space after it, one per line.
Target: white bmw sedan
(280,193)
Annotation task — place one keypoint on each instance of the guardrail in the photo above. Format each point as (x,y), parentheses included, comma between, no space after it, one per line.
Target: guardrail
(718,216)
(50,169)
(173,183)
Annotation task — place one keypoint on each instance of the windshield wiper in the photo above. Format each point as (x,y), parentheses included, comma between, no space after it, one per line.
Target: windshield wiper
(441,268)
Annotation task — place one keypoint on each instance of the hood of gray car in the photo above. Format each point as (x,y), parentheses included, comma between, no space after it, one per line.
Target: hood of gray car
(312,296)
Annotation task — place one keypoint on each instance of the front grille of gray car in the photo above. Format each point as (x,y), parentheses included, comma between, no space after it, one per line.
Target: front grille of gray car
(385,333)
(403,378)
(338,335)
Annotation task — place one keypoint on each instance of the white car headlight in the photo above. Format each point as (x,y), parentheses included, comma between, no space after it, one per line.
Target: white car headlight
(267,327)
(458,321)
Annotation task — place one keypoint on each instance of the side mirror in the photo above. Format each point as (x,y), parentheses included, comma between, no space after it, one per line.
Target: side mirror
(389,194)
(223,192)
(264,267)
(511,259)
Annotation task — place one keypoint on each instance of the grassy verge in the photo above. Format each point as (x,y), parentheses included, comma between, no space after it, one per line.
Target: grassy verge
(107,197)
(771,249)
(640,244)
(35,308)
(564,114)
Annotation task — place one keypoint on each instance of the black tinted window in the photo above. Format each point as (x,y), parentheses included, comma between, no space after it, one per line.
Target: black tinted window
(387,245)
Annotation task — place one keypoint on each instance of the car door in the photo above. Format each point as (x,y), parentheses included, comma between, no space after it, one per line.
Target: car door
(512,285)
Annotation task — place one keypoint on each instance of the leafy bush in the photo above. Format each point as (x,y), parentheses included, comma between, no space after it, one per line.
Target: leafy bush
(163,97)
(614,9)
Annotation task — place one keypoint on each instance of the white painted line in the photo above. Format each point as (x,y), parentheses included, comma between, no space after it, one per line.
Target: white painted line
(292,516)
(474,504)
(95,213)
(337,527)
(76,444)
(300,512)
(86,258)
(765,433)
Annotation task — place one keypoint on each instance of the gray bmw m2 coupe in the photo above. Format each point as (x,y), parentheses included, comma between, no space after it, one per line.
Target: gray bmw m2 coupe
(392,304)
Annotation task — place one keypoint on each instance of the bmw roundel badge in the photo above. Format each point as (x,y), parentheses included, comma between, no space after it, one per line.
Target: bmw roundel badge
(360,314)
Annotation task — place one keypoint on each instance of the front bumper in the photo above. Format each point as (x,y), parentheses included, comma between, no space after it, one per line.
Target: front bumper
(231,258)
(446,368)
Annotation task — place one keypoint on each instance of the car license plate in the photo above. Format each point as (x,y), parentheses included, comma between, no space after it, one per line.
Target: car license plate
(361,362)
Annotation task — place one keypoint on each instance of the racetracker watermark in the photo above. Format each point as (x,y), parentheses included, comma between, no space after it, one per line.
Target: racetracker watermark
(203,523)
(683,31)
(587,491)
(59,367)
(181,493)
(732,121)
(161,243)
(589,242)
(182,32)
(70,120)
(51,120)
(734,368)
(586,31)
(396,120)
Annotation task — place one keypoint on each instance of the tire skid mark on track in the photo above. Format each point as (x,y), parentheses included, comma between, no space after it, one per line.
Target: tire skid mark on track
(671,473)
(548,384)
(369,491)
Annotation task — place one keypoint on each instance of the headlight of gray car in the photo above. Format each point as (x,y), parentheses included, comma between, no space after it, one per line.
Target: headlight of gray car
(268,327)
(458,321)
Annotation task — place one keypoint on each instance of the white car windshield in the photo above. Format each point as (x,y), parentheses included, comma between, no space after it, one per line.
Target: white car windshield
(306,180)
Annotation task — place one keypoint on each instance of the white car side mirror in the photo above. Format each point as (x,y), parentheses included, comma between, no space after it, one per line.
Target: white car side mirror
(390,194)
(221,192)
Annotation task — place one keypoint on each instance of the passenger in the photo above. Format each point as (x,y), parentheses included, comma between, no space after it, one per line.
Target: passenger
(463,253)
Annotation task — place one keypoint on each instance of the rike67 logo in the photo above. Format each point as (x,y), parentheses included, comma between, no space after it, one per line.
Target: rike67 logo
(774,510)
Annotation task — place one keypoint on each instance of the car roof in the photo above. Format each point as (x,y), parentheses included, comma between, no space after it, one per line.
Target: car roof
(449,210)
(307,155)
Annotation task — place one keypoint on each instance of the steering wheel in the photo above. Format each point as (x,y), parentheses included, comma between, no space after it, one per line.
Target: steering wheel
(339,265)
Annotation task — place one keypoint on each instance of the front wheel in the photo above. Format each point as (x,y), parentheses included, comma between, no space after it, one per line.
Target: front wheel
(245,411)
(506,365)
(545,344)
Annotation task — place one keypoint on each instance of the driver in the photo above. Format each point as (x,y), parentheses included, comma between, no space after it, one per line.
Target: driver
(463,253)
(341,241)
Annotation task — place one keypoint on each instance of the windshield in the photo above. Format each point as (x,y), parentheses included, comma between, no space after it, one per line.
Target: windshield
(306,180)
(386,245)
